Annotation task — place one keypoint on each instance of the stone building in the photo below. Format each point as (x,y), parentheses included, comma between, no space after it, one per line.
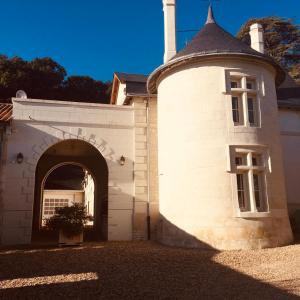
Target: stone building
(201,153)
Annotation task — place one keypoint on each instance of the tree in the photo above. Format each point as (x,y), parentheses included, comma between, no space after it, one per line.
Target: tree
(84,88)
(44,78)
(282,41)
(13,76)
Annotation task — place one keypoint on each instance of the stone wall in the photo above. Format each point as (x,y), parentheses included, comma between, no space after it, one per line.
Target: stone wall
(140,210)
(145,168)
(290,137)
(198,197)
(39,124)
(153,168)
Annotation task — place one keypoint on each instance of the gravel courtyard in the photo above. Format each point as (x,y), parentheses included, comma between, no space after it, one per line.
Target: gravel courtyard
(146,270)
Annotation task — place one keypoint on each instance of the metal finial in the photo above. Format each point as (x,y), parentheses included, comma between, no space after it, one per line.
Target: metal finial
(210,15)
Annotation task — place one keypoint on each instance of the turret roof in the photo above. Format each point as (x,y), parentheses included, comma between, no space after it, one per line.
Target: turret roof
(212,41)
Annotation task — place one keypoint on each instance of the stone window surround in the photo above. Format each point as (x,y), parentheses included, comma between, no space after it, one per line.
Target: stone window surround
(249,150)
(242,93)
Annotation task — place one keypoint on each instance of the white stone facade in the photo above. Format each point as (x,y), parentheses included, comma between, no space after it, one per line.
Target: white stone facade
(197,190)
(290,137)
(37,125)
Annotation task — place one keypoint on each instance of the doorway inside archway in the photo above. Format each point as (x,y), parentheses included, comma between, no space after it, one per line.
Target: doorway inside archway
(66,185)
(71,171)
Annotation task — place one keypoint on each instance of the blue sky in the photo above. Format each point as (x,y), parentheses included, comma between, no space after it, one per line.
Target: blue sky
(97,37)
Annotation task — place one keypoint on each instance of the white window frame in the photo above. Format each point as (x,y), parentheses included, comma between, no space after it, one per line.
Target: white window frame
(244,93)
(248,169)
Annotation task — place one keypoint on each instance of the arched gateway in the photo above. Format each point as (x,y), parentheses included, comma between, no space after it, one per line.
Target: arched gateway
(80,153)
(47,134)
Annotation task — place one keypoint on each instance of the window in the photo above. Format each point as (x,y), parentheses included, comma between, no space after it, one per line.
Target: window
(234,85)
(251,111)
(244,101)
(250,84)
(241,192)
(235,109)
(235,82)
(248,165)
(257,190)
(51,204)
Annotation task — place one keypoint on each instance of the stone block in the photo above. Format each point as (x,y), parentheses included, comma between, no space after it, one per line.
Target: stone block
(140,145)
(140,226)
(140,152)
(140,174)
(140,138)
(141,131)
(140,159)
(140,190)
(140,207)
(141,183)
(120,225)
(140,167)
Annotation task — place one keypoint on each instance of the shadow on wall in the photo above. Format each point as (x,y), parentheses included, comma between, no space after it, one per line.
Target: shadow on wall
(170,234)
(131,270)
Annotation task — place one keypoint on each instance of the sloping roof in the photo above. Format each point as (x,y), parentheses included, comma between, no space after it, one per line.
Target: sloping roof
(212,41)
(289,82)
(288,94)
(136,88)
(125,77)
(136,84)
(6,110)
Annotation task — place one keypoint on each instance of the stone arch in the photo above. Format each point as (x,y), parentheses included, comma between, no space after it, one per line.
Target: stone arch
(78,152)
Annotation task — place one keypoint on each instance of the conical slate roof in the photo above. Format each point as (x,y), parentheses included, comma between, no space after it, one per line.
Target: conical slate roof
(214,39)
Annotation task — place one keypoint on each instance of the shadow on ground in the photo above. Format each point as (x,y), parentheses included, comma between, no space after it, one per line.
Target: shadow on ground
(135,270)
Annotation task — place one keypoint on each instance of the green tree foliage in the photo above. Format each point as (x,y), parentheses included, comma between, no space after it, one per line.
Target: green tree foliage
(43,78)
(46,77)
(84,88)
(282,41)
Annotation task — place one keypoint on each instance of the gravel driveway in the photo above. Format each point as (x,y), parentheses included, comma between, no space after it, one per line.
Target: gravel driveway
(146,270)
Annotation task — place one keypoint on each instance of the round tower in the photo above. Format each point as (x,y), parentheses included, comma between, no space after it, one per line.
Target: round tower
(221,181)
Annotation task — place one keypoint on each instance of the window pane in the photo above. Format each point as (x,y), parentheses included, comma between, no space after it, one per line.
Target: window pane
(238,161)
(250,104)
(256,160)
(235,109)
(241,191)
(241,160)
(234,84)
(251,115)
(257,190)
(250,84)
(235,103)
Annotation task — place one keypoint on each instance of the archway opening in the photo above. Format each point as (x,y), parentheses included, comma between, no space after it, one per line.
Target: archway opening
(65,185)
(67,172)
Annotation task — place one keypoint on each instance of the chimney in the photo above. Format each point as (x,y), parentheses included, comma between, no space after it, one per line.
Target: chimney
(170,29)
(257,37)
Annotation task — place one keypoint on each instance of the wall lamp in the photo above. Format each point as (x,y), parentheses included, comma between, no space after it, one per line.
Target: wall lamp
(20,158)
(122,160)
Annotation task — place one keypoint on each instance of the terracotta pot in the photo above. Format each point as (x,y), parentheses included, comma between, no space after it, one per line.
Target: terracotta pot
(74,240)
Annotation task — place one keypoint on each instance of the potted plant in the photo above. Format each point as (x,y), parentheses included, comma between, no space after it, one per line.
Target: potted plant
(69,221)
